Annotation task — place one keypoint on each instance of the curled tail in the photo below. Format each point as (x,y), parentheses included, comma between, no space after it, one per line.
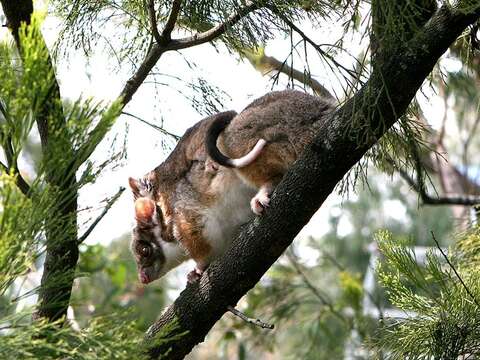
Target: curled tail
(217,126)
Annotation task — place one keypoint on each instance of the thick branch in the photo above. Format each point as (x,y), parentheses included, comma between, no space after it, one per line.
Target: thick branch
(16,12)
(62,254)
(307,184)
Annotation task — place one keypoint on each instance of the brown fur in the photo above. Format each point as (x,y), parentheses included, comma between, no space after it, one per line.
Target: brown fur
(191,236)
(200,205)
(287,120)
(183,187)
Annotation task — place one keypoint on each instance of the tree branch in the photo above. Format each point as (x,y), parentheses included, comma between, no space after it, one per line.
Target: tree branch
(172,19)
(107,207)
(252,321)
(216,31)
(266,64)
(463,200)
(156,51)
(153,21)
(306,185)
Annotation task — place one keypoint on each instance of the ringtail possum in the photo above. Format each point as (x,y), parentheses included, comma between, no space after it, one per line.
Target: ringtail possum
(285,120)
(187,207)
(222,169)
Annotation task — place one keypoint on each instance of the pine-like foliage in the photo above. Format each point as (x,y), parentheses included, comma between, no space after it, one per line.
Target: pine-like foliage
(26,215)
(440,298)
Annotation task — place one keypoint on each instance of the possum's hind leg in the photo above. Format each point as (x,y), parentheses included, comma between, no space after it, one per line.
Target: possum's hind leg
(262,199)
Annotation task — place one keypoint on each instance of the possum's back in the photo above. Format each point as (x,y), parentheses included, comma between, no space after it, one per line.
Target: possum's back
(288,116)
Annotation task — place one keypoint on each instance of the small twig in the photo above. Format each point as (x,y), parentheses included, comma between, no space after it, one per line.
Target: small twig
(317,47)
(244,317)
(100,217)
(158,128)
(454,270)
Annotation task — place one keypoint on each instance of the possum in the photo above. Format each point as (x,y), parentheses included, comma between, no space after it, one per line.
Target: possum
(221,174)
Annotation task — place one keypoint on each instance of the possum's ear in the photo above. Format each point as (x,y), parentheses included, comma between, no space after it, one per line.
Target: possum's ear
(135,185)
(141,187)
(144,210)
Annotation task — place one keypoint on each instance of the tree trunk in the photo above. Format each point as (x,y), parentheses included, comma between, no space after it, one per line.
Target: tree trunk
(61,231)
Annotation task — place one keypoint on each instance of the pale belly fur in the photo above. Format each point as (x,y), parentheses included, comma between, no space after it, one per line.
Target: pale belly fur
(230,211)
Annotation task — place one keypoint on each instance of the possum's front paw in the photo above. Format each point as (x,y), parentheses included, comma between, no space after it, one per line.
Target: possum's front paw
(194,275)
(259,202)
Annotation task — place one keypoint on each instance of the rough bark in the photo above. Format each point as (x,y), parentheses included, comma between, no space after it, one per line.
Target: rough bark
(305,187)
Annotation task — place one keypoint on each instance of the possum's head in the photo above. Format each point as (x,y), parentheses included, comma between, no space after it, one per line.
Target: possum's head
(154,256)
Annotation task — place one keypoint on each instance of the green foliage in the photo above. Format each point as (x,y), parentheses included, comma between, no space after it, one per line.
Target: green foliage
(103,338)
(109,283)
(21,221)
(83,17)
(24,89)
(439,297)
(29,218)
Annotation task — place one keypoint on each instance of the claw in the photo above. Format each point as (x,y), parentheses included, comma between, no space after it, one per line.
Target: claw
(194,275)
(260,202)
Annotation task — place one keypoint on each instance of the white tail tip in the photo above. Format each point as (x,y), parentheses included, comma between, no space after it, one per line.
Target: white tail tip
(251,156)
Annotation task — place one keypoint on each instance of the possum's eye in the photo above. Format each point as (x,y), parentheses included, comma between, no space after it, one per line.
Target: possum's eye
(145,251)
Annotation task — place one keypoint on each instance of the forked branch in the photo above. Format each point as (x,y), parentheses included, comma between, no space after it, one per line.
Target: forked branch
(214,32)
(462,200)
(158,49)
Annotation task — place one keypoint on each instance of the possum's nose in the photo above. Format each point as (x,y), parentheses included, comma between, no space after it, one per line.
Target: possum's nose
(144,279)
